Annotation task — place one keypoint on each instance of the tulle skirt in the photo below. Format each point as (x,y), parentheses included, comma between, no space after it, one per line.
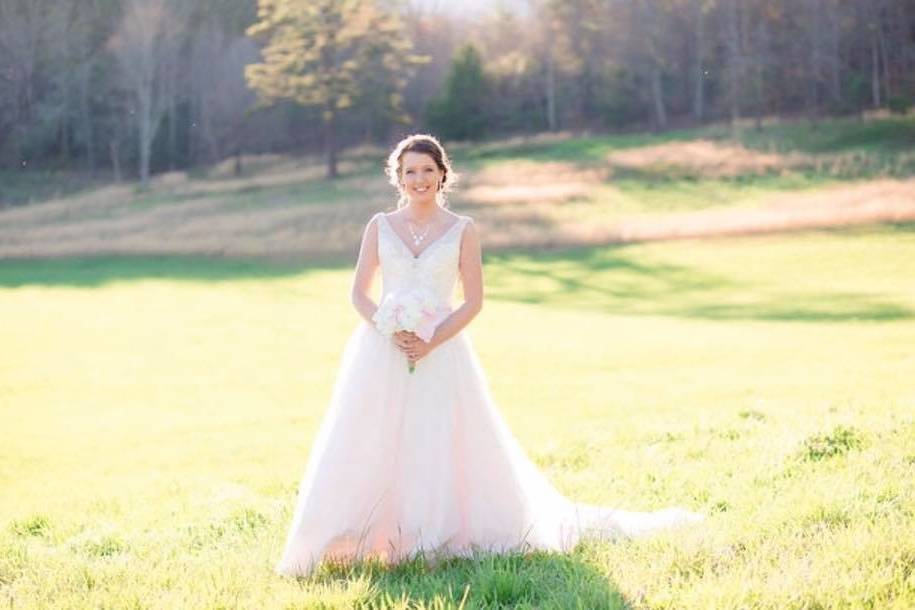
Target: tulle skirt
(423,463)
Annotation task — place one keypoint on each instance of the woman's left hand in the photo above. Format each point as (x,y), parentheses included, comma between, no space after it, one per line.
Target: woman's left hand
(418,349)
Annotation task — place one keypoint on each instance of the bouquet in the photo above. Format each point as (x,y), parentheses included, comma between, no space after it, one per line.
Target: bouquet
(416,310)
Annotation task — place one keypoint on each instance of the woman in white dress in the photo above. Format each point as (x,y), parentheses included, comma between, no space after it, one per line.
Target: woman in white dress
(422,462)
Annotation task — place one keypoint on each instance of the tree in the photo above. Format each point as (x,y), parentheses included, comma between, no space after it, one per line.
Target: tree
(24,29)
(315,54)
(700,10)
(385,64)
(147,46)
(460,112)
(580,34)
(219,96)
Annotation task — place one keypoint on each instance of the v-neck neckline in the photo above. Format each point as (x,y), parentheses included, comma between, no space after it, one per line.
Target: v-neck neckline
(430,244)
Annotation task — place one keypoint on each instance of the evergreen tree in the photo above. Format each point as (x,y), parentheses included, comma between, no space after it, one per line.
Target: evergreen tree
(315,56)
(460,113)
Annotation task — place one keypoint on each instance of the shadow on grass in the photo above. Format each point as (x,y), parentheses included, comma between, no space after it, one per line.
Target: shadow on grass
(97,271)
(612,280)
(538,580)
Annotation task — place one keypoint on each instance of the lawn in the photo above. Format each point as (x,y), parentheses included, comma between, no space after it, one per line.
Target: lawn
(157,414)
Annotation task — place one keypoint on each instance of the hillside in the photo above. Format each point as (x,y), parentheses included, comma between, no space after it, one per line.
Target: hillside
(542,191)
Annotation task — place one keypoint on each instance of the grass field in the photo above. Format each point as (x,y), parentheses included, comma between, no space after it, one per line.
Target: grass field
(157,413)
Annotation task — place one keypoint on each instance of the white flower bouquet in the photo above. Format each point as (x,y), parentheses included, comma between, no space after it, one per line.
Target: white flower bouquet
(416,310)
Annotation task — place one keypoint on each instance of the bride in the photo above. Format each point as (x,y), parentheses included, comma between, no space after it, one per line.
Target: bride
(413,456)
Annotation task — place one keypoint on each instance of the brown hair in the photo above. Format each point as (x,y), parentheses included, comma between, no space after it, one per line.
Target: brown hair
(427,145)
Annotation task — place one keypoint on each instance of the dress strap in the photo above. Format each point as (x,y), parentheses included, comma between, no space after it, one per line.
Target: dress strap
(381,223)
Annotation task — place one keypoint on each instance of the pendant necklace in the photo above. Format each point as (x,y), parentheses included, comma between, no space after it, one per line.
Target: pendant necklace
(418,239)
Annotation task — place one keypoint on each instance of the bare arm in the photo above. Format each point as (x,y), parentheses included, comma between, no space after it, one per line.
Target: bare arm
(366,266)
(471,268)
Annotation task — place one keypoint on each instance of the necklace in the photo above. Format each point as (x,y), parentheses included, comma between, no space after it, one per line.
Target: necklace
(418,239)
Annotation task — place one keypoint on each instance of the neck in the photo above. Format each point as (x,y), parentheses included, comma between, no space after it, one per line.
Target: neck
(421,212)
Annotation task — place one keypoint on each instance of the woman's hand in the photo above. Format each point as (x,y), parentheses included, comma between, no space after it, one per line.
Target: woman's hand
(404,340)
(411,345)
(418,350)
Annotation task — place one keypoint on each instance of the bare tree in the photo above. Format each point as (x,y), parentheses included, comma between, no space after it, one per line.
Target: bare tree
(21,32)
(733,42)
(146,46)
(700,9)
(219,95)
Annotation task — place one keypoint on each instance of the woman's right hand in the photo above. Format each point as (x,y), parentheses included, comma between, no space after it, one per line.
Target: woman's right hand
(404,340)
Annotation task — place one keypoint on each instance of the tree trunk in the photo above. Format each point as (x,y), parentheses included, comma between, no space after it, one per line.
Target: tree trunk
(699,94)
(115,149)
(145,133)
(875,72)
(904,21)
(66,93)
(550,86)
(884,56)
(735,67)
(65,147)
(835,39)
(330,142)
(172,123)
(760,63)
(657,96)
(814,64)
(84,75)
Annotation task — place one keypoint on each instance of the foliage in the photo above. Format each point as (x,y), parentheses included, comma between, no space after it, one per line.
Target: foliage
(839,441)
(68,103)
(330,54)
(460,112)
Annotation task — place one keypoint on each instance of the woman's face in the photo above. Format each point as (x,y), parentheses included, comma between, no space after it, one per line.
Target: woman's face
(420,176)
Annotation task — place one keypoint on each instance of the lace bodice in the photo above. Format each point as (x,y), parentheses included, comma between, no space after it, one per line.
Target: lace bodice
(436,267)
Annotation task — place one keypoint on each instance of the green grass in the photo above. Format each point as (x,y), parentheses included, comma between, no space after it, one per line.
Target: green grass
(28,186)
(640,194)
(836,135)
(837,151)
(827,136)
(157,414)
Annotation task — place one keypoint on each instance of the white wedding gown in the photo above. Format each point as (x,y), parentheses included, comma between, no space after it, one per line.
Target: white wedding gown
(424,463)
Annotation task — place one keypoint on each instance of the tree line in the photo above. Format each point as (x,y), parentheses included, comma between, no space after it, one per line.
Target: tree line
(130,87)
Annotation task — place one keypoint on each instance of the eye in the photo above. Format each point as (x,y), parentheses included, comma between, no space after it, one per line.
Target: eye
(409,171)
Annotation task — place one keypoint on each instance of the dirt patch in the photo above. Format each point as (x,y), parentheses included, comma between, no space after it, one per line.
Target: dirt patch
(527,181)
(98,201)
(878,201)
(703,158)
(105,222)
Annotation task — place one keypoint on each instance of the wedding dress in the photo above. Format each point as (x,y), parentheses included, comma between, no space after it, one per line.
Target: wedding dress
(407,463)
